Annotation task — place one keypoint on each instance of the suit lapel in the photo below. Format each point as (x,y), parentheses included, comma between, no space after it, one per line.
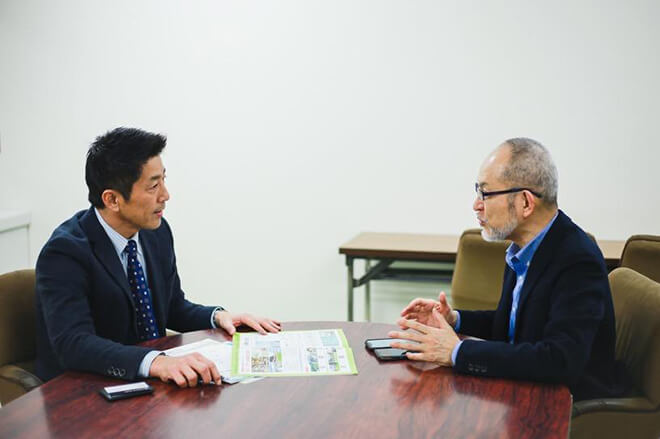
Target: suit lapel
(541,260)
(105,251)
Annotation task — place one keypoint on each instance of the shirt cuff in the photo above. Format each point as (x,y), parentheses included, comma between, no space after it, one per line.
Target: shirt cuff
(454,353)
(217,309)
(143,370)
(457,325)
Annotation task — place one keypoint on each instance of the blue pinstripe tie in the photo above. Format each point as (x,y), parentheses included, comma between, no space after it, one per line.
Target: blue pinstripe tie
(144,310)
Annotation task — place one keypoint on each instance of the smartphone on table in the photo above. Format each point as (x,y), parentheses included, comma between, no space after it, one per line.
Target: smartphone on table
(387,354)
(380,343)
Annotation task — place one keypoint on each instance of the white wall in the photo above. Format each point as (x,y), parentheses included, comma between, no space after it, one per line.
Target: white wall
(293,125)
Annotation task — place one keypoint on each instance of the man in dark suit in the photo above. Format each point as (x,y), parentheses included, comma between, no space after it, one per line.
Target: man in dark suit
(107,278)
(555,319)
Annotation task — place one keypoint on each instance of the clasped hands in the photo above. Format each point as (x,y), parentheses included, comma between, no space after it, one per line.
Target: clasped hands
(188,370)
(433,322)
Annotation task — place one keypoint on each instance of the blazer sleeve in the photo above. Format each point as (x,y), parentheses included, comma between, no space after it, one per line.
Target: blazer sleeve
(477,323)
(64,286)
(575,310)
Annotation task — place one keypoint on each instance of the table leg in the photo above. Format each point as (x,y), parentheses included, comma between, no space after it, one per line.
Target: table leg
(367,292)
(349,266)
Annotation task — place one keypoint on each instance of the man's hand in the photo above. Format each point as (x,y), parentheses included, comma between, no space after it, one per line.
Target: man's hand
(185,371)
(434,344)
(428,311)
(229,322)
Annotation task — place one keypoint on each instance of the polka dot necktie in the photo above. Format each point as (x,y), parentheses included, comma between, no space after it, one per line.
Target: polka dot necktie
(146,321)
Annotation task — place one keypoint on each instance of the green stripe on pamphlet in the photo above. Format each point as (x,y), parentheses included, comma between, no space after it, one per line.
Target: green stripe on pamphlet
(234,353)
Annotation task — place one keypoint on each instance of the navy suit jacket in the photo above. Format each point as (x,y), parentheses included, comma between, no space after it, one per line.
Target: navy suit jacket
(564,329)
(85,312)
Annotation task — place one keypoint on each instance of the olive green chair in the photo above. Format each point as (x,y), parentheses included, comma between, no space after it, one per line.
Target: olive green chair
(17,335)
(642,254)
(637,311)
(479,272)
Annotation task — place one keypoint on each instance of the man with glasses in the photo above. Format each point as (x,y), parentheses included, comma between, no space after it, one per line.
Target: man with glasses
(555,319)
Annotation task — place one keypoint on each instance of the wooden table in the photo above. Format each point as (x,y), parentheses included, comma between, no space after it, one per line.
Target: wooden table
(390,247)
(385,400)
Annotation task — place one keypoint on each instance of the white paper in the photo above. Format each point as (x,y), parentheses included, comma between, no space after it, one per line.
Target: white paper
(216,351)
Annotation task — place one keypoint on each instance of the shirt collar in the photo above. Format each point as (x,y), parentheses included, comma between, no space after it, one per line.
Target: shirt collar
(519,258)
(118,241)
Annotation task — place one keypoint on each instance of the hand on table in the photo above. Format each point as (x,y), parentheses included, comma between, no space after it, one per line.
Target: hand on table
(229,321)
(434,345)
(428,312)
(185,371)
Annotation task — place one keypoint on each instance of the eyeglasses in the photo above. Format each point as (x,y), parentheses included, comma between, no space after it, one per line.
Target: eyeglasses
(483,194)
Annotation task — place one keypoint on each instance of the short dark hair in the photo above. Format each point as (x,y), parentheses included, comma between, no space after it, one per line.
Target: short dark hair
(115,161)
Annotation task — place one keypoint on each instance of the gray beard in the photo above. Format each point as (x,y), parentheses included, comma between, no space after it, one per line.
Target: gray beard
(500,234)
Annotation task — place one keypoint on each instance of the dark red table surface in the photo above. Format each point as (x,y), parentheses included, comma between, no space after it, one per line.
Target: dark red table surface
(385,400)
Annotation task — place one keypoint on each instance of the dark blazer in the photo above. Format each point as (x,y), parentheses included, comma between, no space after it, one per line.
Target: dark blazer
(85,312)
(565,322)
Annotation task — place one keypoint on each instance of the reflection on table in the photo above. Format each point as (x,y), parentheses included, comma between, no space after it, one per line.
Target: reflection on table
(388,399)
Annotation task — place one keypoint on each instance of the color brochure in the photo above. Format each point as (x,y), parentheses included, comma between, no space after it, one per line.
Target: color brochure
(293,353)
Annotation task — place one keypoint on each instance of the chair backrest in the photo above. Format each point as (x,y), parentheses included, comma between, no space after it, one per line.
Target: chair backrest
(17,317)
(479,272)
(477,280)
(637,309)
(642,254)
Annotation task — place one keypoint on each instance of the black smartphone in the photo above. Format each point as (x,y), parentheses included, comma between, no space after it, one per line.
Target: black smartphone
(390,354)
(380,343)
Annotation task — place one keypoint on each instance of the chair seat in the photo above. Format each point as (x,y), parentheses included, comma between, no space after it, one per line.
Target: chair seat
(639,404)
(14,382)
(608,424)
